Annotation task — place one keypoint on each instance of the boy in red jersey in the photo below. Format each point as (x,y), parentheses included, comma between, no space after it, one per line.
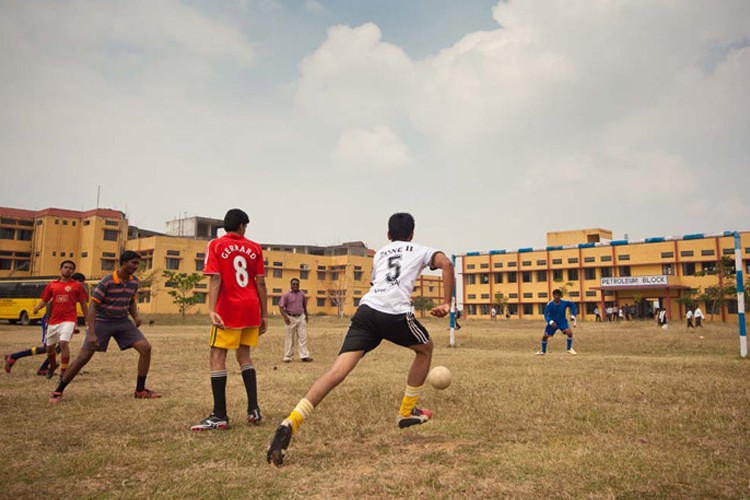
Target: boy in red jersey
(59,324)
(237,307)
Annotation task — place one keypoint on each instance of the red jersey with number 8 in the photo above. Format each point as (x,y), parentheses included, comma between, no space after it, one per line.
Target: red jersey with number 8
(238,261)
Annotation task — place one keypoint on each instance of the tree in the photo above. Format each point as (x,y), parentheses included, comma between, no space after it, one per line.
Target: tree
(689,298)
(715,296)
(501,301)
(148,280)
(339,287)
(564,287)
(422,304)
(182,285)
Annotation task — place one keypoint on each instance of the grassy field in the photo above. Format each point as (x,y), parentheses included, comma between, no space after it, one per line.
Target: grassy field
(639,413)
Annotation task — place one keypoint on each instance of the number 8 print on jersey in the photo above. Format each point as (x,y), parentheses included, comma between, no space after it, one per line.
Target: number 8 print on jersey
(238,261)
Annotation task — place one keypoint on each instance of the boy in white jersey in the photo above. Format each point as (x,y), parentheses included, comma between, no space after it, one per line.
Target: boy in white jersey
(384,313)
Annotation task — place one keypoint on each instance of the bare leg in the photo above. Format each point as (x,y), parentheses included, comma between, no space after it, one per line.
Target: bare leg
(420,367)
(144,360)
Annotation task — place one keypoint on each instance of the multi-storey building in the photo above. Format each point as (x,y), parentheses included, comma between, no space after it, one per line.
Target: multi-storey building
(34,243)
(598,272)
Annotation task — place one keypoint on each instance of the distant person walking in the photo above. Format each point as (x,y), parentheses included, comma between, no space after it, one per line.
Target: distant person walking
(293,307)
(597,315)
(689,317)
(698,315)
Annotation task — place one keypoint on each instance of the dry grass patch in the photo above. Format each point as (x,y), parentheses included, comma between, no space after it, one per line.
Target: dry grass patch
(639,413)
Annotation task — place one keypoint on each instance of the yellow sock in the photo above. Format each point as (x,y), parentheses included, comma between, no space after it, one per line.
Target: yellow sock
(411,396)
(37,350)
(303,410)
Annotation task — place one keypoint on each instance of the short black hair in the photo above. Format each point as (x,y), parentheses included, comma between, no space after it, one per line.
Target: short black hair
(79,277)
(400,226)
(234,219)
(293,280)
(128,255)
(557,291)
(68,262)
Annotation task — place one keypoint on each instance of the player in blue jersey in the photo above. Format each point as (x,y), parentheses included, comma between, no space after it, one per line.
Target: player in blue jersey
(554,315)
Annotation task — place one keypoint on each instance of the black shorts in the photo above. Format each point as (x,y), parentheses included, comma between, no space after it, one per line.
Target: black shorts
(370,327)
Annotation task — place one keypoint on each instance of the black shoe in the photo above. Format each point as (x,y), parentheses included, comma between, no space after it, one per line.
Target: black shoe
(279,443)
(254,416)
(210,423)
(307,360)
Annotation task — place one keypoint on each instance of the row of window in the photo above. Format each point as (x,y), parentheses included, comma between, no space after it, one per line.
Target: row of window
(8,233)
(589,273)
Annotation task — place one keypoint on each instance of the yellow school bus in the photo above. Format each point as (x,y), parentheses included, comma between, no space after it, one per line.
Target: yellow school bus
(18,296)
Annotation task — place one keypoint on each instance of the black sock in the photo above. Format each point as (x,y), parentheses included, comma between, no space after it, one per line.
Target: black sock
(219,390)
(141,384)
(61,387)
(248,376)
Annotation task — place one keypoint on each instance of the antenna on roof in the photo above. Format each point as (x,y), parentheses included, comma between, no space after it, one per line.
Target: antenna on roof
(98,194)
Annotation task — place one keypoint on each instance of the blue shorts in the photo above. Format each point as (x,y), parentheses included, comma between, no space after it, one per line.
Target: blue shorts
(551,330)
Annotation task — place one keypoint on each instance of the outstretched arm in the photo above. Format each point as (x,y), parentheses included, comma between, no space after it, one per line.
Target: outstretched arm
(441,261)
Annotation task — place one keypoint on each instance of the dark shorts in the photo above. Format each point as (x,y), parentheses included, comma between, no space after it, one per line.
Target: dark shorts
(550,330)
(370,327)
(123,331)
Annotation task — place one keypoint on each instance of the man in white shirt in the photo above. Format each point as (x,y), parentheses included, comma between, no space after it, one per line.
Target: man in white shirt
(689,317)
(384,313)
(698,315)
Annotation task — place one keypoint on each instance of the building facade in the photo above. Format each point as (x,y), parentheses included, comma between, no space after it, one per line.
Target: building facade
(596,273)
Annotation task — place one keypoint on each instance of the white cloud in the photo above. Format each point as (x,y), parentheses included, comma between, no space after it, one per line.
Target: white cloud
(313,7)
(377,149)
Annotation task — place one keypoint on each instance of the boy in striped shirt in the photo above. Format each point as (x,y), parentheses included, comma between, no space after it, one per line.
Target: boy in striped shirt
(112,301)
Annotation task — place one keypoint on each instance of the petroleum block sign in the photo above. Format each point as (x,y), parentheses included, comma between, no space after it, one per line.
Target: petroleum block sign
(635,281)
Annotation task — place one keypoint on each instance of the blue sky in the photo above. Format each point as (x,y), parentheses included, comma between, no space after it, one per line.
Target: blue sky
(493,122)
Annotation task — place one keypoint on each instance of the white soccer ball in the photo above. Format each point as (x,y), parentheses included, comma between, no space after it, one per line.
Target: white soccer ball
(440,377)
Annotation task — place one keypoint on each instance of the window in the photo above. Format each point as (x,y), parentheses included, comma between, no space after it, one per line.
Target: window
(356,301)
(498,278)
(484,266)
(199,265)
(278,273)
(24,234)
(709,267)
(109,254)
(321,275)
(541,263)
(111,223)
(528,295)
(84,255)
(687,253)
(667,255)
(173,264)
(471,310)
(485,296)
(732,307)
(688,269)
(575,294)
(526,276)
(304,274)
(573,260)
(5,264)
(7,234)
(512,309)
(201,286)
(512,264)
(512,277)
(357,275)
(707,253)
(484,278)
(556,261)
(667,269)
(542,295)
(471,279)
(526,263)
(62,254)
(65,223)
(200,297)
(557,275)
(57,221)
(334,276)
(173,253)
(144,297)
(110,235)
(74,223)
(86,222)
(589,273)
(278,264)
(589,259)
(472,296)
(540,308)
(606,272)
(528,309)
(320,302)
(623,257)
(54,254)
(624,271)
(728,251)
(470,266)
(498,264)
(108,265)
(484,309)
(541,276)
(275,301)
(572,274)
(512,295)
(591,293)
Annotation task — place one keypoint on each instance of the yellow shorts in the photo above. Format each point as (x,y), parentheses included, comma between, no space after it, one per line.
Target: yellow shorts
(228,338)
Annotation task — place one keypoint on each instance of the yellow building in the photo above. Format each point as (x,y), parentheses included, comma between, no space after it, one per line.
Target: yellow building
(597,272)
(34,243)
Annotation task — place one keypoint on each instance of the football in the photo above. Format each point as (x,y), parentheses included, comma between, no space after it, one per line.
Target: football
(440,377)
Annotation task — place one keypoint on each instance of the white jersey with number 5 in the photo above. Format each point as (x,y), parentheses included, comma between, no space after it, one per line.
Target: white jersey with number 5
(395,269)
